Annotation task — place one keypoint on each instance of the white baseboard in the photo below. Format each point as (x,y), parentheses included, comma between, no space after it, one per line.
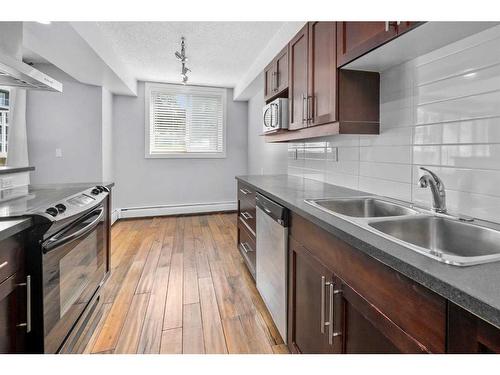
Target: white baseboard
(177,209)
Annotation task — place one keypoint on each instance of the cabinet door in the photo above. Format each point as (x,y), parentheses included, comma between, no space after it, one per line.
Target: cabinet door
(308,309)
(12,313)
(357,38)
(365,329)
(469,334)
(269,81)
(297,80)
(282,70)
(322,104)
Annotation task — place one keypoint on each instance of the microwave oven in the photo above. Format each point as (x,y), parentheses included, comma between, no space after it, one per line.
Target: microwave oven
(275,115)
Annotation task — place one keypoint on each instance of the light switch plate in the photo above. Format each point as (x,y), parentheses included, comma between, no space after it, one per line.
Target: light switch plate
(58,153)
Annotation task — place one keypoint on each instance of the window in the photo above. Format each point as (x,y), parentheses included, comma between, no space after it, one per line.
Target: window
(185,121)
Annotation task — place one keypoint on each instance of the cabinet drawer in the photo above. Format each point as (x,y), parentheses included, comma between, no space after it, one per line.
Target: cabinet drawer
(248,213)
(246,192)
(246,246)
(10,256)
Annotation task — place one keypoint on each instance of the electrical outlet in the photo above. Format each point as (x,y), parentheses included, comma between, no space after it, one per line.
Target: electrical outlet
(58,153)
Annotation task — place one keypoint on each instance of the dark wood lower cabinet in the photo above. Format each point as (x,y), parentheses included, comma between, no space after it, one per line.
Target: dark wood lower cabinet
(364,329)
(12,314)
(309,282)
(469,334)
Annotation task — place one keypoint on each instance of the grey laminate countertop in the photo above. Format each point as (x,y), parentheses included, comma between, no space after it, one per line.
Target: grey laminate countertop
(10,227)
(475,288)
(7,169)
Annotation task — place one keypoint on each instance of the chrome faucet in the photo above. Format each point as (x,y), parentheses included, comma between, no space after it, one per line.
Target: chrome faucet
(431,180)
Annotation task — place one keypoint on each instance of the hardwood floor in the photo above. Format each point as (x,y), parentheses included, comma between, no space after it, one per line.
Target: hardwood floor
(179,285)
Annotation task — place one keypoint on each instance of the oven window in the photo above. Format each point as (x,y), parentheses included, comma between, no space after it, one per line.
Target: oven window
(77,269)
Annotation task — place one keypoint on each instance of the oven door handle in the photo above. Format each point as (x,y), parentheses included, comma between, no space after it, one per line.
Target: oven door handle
(55,241)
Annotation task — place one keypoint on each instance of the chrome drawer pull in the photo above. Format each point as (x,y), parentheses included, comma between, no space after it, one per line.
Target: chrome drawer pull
(3,264)
(244,191)
(246,215)
(28,304)
(332,296)
(245,247)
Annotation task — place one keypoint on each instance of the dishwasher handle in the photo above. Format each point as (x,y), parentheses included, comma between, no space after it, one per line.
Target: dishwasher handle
(275,211)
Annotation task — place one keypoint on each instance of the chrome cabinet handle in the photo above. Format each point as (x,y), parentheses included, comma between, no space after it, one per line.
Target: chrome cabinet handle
(277,81)
(246,215)
(310,110)
(245,247)
(304,111)
(3,264)
(27,284)
(324,284)
(244,191)
(330,316)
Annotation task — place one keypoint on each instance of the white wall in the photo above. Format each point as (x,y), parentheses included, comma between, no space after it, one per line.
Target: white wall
(142,182)
(263,158)
(440,111)
(70,121)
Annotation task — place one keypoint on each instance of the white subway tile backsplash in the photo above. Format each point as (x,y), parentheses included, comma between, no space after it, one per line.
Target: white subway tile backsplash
(441,111)
(473,131)
(386,171)
(386,154)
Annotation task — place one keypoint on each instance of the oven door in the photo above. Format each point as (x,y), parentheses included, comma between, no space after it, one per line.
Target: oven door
(74,265)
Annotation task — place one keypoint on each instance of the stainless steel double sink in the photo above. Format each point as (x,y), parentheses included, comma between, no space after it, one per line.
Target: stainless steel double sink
(445,238)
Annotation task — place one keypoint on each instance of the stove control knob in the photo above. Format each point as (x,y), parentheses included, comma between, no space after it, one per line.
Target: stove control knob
(95,191)
(61,208)
(52,211)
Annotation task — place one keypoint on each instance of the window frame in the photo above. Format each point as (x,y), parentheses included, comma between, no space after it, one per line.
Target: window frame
(187,89)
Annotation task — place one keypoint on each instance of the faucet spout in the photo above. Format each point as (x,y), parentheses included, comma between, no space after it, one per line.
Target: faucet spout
(431,180)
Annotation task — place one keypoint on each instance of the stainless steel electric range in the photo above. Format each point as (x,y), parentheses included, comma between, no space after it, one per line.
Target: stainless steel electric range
(67,260)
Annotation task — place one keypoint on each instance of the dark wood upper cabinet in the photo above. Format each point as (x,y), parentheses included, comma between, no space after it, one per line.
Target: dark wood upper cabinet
(357,38)
(309,303)
(276,76)
(268,81)
(297,79)
(282,71)
(322,90)
(469,334)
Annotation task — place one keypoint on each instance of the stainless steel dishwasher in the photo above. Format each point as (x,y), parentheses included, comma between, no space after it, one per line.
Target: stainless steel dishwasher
(272,259)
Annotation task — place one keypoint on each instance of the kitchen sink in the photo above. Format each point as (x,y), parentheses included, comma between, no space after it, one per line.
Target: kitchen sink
(448,240)
(362,207)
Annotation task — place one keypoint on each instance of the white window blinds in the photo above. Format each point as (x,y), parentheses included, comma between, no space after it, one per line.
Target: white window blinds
(185,121)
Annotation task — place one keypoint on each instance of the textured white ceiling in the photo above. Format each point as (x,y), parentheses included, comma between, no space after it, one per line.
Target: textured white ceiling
(219,53)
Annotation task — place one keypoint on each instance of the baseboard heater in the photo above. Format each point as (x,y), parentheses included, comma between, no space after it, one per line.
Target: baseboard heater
(177,209)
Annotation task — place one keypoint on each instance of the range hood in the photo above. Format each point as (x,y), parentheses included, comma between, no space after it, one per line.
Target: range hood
(15,73)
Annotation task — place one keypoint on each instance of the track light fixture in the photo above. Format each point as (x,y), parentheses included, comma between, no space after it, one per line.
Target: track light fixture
(181,56)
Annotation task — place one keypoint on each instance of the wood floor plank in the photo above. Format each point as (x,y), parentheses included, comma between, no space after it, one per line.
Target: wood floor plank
(192,330)
(146,280)
(171,341)
(280,349)
(213,333)
(149,342)
(256,337)
(132,328)
(104,312)
(174,302)
(235,336)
